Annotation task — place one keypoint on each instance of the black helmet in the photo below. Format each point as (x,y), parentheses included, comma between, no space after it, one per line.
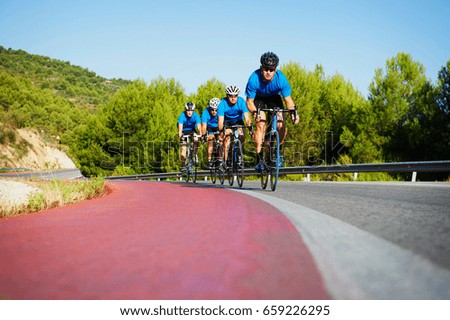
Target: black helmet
(269,60)
(189,106)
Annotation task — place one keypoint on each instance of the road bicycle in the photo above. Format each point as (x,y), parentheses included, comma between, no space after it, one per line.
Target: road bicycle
(217,169)
(271,149)
(189,172)
(235,160)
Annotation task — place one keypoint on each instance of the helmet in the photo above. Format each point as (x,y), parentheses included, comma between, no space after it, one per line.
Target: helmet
(233,90)
(214,103)
(269,59)
(190,106)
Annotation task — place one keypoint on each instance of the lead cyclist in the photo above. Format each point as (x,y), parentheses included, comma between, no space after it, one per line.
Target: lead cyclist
(269,86)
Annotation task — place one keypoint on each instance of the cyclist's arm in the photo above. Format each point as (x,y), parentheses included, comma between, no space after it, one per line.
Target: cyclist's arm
(199,128)
(247,118)
(203,131)
(180,130)
(291,106)
(220,122)
(251,105)
(289,103)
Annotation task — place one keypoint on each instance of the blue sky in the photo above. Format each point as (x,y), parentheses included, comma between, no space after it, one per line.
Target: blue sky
(194,41)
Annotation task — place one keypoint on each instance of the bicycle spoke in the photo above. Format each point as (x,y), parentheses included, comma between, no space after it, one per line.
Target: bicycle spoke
(275,159)
(239,157)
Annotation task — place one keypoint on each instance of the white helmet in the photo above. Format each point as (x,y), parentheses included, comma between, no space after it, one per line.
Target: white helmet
(214,103)
(189,106)
(233,90)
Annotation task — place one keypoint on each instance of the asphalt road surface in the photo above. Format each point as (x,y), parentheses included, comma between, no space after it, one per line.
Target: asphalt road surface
(378,240)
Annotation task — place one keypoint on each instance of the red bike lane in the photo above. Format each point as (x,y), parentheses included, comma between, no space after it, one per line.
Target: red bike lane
(157,240)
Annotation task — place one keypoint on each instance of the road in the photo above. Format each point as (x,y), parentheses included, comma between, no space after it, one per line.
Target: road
(138,243)
(415,216)
(45,175)
(383,240)
(361,240)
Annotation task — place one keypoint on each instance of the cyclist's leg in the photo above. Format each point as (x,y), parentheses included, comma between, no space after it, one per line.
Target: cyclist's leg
(259,132)
(281,124)
(196,144)
(183,151)
(210,139)
(226,143)
(258,137)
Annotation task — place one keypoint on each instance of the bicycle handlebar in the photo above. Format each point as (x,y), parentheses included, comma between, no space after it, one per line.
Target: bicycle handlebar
(234,126)
(195,135)
(275,109)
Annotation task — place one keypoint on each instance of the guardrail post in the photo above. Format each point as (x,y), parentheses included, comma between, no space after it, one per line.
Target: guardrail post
(355,176)
(414,176)
(308,177)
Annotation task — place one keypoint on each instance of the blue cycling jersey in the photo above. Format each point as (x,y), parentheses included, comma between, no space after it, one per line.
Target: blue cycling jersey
(211,122)
(232,113)
(189,123)
(256,86)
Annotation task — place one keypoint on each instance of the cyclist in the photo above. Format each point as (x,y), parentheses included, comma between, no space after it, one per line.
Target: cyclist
(188,122)
(210,125)
(266,85)
(233,110)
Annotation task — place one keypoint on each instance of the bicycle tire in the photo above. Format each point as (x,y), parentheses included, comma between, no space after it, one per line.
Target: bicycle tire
(187,166)
(264,178)
(193,165)
(187,174)
(216,159)
(221,172)
(230,176)
(275,159)
(264,171)
(238,163)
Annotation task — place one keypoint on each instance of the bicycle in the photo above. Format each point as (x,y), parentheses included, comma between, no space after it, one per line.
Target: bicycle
(191,163)
(217,169)
(235,161)
(271,149)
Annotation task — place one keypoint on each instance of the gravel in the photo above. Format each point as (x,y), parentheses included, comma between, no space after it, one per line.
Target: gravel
(14,193)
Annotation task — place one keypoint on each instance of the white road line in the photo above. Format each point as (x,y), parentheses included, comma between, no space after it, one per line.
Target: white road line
(358,265)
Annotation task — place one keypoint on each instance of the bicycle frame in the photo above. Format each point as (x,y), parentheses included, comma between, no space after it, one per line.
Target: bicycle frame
(190,164)
(217,156)
(271,148)
(235,161)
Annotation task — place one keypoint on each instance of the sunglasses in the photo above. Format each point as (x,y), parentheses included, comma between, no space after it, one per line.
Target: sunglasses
(269,69)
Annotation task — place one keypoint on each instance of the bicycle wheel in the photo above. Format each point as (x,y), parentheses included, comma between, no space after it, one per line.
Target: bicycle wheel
(213,175)
(274,159)
(193,167)
(194,174)
(264,177)
(264,171)
(230,175)
(187,166)
(229,169)
(218,163)
(238,162)
(187,172)
(221,173)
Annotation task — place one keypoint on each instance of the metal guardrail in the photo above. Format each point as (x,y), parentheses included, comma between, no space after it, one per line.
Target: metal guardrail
(413,167)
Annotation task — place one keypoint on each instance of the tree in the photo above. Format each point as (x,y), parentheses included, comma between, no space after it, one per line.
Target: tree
(399,98)
(143,123)
(211,89)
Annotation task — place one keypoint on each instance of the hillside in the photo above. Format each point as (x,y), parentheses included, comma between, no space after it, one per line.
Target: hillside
(31,151)
(81,86)
(42,103)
